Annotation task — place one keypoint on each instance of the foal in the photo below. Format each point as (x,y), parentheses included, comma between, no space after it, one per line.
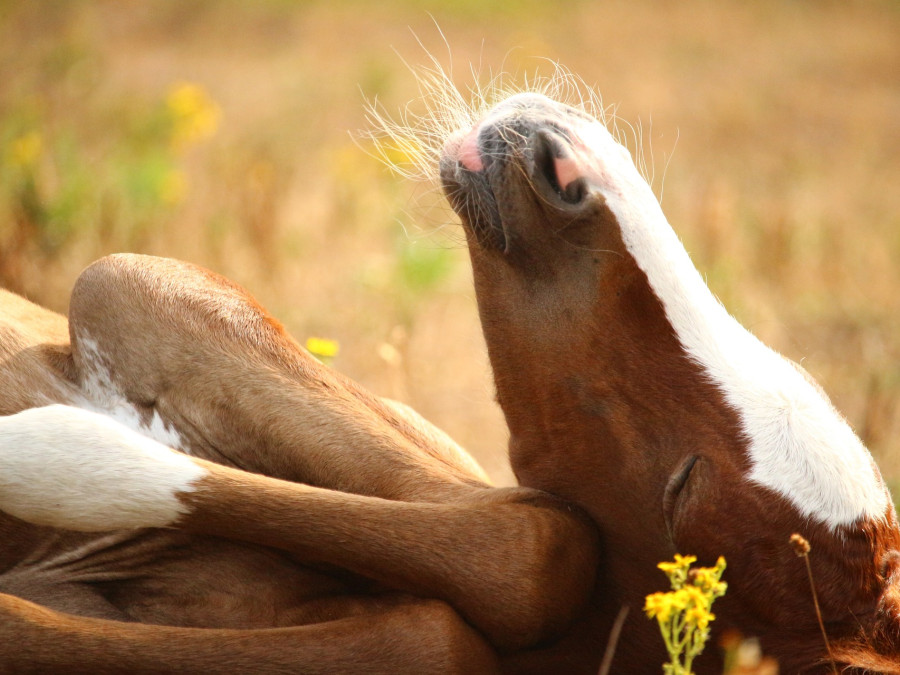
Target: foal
(630,391)
(315,527)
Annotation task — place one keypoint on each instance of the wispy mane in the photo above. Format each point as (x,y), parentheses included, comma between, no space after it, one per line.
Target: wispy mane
(411,141)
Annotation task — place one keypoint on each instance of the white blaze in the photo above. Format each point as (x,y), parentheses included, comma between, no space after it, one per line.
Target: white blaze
(71,468)
(799,445)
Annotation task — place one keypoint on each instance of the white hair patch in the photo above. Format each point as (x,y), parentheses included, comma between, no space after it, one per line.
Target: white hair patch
(799,446)
(71,468)
(102,396)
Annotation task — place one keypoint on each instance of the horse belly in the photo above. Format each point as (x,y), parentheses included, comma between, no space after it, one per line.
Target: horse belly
(205,582)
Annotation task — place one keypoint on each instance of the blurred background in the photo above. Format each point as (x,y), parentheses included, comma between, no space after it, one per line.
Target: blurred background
(223,133)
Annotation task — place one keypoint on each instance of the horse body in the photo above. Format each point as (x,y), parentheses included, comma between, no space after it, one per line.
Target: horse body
(211,498)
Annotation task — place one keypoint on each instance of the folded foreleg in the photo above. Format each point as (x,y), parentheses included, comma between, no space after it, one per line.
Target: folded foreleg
(195,355)
(515,563)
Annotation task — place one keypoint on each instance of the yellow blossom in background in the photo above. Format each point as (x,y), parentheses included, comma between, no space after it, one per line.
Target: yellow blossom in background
(323,349)
(401,151)
(195,115)
(25,151)
(173,187)
(405,154)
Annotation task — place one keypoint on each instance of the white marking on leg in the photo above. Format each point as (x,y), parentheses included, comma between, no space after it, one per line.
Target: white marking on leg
(800,446)
(102,396)
(72,468)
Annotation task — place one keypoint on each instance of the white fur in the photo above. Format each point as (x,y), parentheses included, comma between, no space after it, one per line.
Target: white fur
(75,469)
(800,447)
(102,396)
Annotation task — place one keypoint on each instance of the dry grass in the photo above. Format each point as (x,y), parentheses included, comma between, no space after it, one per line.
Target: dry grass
(783,181)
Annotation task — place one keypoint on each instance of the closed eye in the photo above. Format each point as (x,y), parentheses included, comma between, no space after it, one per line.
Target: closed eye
(673,490)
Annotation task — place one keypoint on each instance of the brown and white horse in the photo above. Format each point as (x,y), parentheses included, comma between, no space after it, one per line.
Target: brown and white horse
(306,525)
(630,391)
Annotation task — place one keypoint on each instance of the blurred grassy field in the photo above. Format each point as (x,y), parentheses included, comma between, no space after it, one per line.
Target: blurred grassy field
(221,133)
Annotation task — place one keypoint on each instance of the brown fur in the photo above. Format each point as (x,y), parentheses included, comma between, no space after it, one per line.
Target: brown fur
(407,636)
(604,405)
(334,531)
(389,509)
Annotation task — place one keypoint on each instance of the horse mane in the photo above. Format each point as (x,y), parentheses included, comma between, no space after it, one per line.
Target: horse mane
(861,658)
(876,647)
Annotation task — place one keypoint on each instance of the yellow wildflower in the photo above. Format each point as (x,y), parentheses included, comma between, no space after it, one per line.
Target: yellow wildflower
(682,562)
(658,605)
(322,348)
(696,596)
(401,151)
(684,612)
(699,616)
(195,115)
(24,151)
(681,598)
(677,570)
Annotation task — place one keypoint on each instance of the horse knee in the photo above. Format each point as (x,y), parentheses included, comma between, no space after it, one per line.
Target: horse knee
(453,645)
(142,322)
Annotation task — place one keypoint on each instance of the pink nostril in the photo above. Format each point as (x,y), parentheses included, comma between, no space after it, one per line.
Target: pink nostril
(469,155)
